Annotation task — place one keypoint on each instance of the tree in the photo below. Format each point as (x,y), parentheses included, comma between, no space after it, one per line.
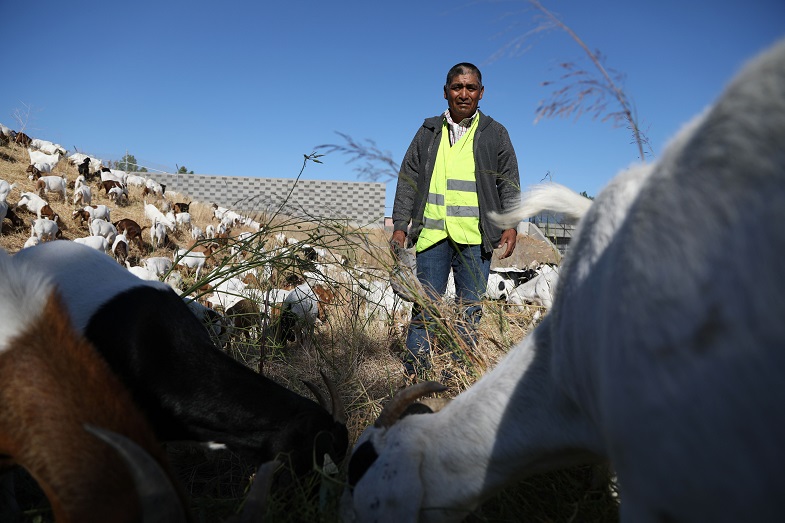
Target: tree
(184,170)
(127,163)
(586,195)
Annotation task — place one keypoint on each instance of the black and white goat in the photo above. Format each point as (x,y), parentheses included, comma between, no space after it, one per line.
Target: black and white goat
(664,351)
(53,384)
(188,389)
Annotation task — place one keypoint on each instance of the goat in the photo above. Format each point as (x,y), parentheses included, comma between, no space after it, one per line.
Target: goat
(45,230)
(158,235)
(181,207)
(6,212)
(52,384)
(31,202)
(39,158)
(158,265)
(192,259)
(247,412)
(22,139)
(183,219)
(5,189)
(101,227)
(152,213)
(98,212)
(55,184)
(93,164)
(98,243)
(37,170)
(132,231)
(538,290)
(114,175)
(47,147)
(118,194)
(82,195)
(663,351)
(84,167)
(107,185)
(120,248)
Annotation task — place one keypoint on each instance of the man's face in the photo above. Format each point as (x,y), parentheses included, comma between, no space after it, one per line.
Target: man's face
(463,95)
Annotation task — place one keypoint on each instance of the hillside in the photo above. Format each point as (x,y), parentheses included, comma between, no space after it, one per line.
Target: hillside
(359,348)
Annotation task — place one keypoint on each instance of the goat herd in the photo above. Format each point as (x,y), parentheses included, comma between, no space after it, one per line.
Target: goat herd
(663,353)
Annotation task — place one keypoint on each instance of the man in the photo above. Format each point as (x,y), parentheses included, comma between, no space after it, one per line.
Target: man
(460,166)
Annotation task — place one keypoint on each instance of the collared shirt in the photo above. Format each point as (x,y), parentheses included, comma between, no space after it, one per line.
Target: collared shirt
(457,130)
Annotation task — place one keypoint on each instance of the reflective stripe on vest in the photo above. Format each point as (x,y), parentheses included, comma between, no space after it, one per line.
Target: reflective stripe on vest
(452,208)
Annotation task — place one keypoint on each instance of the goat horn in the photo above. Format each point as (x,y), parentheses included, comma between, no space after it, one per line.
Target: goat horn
(254,506)
(339,411)
(156,493)
(316,392)
(396,406)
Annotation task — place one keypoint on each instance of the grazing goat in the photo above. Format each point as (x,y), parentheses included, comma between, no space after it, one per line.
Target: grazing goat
(107,186)
(118,194)
(132,231)
(98,243)
(663,352)
(158,265)
(52,384)
(247,412)
(101,227)
(539,290)
(120,248)
(45,230)
(31,202)
(38,158)
(193,259)
(47,147)
(158,236)
(83,195)
(22,139)
(55,184)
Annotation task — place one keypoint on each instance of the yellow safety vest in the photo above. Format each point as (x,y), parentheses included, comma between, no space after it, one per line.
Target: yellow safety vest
(452,208)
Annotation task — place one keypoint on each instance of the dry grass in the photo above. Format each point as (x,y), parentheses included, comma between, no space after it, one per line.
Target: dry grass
(363,357)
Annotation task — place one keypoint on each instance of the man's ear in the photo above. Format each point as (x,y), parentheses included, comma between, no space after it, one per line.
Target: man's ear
(445,92)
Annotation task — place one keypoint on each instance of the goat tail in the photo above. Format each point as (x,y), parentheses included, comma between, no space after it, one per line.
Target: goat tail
(543,197)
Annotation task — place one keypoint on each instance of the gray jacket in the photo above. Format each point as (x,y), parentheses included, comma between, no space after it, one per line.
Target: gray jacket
(498,182)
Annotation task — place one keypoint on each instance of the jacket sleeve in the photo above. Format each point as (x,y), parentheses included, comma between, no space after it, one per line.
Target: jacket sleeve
(508,183)
(406,189)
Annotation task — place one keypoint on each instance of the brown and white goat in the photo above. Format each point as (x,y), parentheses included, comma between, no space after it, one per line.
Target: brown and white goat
(52,384)
(236,406)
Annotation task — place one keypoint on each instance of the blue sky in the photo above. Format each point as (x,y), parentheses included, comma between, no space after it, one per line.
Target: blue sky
(247,88)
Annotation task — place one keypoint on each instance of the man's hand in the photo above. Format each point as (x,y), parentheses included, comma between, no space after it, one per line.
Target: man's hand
(509,239)
(399,237)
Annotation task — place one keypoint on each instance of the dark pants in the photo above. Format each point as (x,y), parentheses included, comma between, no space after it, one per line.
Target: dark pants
(470,271)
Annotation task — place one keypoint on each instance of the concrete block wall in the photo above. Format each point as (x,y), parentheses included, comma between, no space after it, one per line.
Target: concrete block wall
(361,203)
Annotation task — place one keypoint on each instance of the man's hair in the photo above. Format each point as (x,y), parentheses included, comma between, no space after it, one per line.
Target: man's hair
(463,68)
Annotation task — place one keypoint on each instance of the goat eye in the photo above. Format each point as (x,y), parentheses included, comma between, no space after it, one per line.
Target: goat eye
(360,462)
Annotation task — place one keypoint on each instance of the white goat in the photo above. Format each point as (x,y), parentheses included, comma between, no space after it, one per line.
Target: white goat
(158,234)
(158,265)
(663,352)
(538,290)
(184,219)
(45,230)
(98,212)
(56,184)
(98,243)
(5,189)
(83,195)
(101,227)
(191,260)
(31,202)
(38,157)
